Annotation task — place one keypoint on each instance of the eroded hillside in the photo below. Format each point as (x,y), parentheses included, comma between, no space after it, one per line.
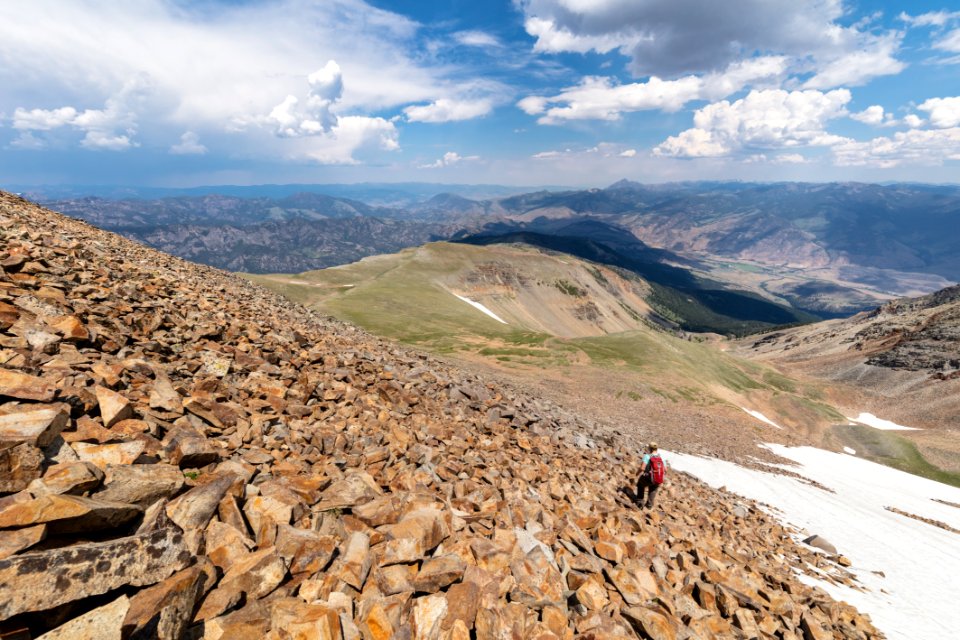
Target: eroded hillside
(184,454)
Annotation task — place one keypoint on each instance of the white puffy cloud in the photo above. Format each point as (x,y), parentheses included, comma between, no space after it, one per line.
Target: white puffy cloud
(872,115)
(913,121)
(449,159)
(316,115)
(944,112)
(665,38)
(599,98)
(449,110)
(917,146)
(189,145)
(628,153)
(766,119)
(110,128)
(350,135)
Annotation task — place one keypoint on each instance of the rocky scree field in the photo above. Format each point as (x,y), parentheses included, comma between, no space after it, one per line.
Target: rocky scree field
(186,455)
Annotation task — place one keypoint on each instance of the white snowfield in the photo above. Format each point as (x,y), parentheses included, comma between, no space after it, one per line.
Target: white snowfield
(479,306)
(762,418)
(879,423)
(917,598)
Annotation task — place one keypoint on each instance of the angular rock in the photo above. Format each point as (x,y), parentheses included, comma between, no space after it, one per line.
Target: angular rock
(252,578)
(355,562)
(69,477)
(225,545)
(12,542)
(15,384)
(70,327)
(538,582)
(68,514)
(102,623)
(397,578)
(103,455)
(592,595)
(165,610)
(38,428)
(463,600)
(357,488)
(299,621)
(427,525)
(113,406)
(140,484)
(439,572)
(20,465)
(427,616)
(651,624)
(193,510)
(164,396)
(307,551)
(42,580)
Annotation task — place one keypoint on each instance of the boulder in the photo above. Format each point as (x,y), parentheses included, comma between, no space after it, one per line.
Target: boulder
(17,540)
(20,464)
(102,623)
(113,406)
(68,514)
(165,610)
(821,543)
(43,580)
(38,427)
(15,384)
(140,484)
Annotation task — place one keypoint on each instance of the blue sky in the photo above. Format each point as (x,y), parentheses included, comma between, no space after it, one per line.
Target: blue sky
(526,92)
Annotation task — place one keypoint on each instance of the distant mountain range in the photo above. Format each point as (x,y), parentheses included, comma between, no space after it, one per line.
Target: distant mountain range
(825,249)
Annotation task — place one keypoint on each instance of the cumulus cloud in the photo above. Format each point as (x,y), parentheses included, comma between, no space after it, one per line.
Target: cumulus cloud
(110,128)
(944,112)
(599,98)
(628,153)
(315,116)
(449,110)
(189,145)
(665,38)
(916,146)
(766,119)
(449,159)
(873,115)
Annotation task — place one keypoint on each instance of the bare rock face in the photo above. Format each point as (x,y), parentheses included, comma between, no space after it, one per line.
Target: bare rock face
(242,468)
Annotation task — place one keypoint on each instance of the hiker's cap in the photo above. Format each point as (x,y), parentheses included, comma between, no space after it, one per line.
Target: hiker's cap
(652,446)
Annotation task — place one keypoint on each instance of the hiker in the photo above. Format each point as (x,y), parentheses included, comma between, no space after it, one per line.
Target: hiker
(652,472)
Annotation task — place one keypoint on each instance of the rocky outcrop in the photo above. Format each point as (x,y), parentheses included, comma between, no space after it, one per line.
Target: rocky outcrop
(187,455)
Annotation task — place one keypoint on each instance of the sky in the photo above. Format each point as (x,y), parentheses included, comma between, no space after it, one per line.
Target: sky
(183,93)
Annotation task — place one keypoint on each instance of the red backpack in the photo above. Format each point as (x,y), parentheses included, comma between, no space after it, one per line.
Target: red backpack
(657,469)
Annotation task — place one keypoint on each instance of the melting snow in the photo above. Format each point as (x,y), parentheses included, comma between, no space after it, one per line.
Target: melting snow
(918,597)
(479,306)
(762,418)
(878,423)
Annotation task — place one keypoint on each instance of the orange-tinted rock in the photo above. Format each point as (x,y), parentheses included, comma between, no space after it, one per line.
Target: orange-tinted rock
(17,540)
(15,384)
(113,406)
(20,465)
(38,427)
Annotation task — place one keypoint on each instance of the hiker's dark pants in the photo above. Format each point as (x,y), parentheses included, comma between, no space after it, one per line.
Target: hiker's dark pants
(643,486)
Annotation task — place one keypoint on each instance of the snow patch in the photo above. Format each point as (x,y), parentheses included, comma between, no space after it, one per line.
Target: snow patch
(871,420)
(477,305)
(762,418)
(852,452)
(917,598)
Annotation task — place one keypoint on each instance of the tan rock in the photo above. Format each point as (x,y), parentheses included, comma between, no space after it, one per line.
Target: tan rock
(15,384)
(538,582)
(427,616)
(193,509)
(165,610)
(356,489)
(104,455)
(397,578)
(463,600)
(69,477)
(70,327)
(307,551)
(592,595)
(252,578)
(635,585)
(164,396)
(140,484)
(17,540)
(102,623)
(611,551)
(813,630)
(375,624)
(113,406)
(439,572)
(38,428)
(20,465)
(68,514)
(402,551)
(43,580)
(651,624)
(261,507)
(355,563)
(295,620)
(225,545)
(427,525)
